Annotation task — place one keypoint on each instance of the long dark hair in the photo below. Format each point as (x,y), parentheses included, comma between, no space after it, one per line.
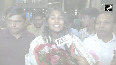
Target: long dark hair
(47,34)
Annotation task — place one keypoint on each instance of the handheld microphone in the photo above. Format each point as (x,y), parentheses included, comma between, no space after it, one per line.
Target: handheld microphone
(69,53)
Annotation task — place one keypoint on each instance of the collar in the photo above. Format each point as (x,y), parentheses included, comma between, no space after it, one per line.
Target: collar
(113,39)
(22,35)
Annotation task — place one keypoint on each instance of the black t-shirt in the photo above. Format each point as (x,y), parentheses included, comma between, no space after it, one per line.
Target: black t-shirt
(12,50)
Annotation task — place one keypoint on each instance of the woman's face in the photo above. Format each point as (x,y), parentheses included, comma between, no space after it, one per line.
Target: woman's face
(55,21)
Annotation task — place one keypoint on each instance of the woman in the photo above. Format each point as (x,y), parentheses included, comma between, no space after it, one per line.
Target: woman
(56,32)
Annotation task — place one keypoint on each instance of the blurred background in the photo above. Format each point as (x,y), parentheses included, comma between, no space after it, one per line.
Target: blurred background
(70,7)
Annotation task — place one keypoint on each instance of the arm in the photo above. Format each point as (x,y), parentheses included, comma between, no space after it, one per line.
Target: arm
(81,60)
(80,49)
(30,57)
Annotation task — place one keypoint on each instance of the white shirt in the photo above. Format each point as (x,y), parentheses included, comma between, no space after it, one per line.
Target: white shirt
(103,50)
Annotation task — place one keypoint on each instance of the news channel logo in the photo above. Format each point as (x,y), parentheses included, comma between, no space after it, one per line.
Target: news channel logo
(108,7)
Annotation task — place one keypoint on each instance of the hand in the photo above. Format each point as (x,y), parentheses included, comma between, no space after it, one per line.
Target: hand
(80,60)
(70,62)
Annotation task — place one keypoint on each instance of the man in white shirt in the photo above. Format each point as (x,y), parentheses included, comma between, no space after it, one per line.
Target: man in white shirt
(104,41)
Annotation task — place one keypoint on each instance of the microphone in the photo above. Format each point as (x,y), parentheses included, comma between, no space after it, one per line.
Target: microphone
(69,53)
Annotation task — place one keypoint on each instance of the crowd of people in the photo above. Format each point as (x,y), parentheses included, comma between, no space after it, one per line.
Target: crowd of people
(97,38)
